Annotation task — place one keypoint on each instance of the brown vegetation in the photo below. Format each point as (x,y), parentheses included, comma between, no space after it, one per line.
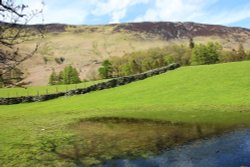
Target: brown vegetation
(85,47)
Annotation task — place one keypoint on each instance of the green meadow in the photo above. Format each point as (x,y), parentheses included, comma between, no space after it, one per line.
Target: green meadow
(41,90)
(215,95)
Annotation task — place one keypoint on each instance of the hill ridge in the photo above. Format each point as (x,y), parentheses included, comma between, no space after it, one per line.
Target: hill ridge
(187,29)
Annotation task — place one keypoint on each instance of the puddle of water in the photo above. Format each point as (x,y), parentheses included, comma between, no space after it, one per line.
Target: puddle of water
(230,150)
(102,139)
(133,142)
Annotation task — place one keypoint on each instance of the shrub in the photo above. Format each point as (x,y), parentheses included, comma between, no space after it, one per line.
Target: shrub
(45,59)
(59,60)
(235,55)
(206,54)
(241,54)
(248,55)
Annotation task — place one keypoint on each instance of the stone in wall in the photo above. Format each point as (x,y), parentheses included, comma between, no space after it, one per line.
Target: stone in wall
(100,86)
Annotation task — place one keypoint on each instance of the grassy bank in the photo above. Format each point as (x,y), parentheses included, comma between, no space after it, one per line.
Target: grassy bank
(211,94)
(41,90)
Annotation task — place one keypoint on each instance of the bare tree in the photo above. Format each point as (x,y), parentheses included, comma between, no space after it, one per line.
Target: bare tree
(13,31)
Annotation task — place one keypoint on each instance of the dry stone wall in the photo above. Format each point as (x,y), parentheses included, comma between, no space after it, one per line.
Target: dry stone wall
(100,86)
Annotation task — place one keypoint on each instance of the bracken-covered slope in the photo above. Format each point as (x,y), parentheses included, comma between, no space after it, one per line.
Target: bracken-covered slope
(85,47)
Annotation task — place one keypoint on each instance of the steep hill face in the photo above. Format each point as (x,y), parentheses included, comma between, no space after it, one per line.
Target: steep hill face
(166,30)
(170,30)
(85,47)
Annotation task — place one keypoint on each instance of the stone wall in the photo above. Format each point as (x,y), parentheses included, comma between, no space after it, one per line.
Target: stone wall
(100,86)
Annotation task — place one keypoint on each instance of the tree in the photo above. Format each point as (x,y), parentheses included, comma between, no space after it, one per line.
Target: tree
(134,66)
(248,55)
(206,54)
(235,55)
(54,78)
(241,54)
(75,76)
(191,43)
(13,18)
(228,56)
(117,63)
(60,77)
(70,75)
(106,70)
(180,54)
(146,64)
(66,75)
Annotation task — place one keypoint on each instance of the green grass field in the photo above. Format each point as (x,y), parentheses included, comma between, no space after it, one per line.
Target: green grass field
(210,94)
(41,90)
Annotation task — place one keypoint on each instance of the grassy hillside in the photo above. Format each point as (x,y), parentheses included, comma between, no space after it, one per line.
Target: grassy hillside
(210,94)
(41,90)
(82,48)
(86,46)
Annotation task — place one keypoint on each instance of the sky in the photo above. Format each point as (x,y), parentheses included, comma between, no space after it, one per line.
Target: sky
(96,12)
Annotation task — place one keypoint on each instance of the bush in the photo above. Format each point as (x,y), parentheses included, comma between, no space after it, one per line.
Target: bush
(45,59)
(59,60)
(248,55)
(235,55)
(206,54)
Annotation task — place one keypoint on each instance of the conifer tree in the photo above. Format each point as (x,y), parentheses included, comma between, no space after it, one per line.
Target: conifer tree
(191,43)
(53,79)
(69,75)
(105,70)
(241,54)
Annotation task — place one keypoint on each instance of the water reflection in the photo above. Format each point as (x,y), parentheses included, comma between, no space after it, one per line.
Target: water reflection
(102,139)
(119,142)
(230,150)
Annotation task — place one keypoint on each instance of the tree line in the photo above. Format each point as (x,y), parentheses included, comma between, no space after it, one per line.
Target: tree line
(193,54)
(69,75)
